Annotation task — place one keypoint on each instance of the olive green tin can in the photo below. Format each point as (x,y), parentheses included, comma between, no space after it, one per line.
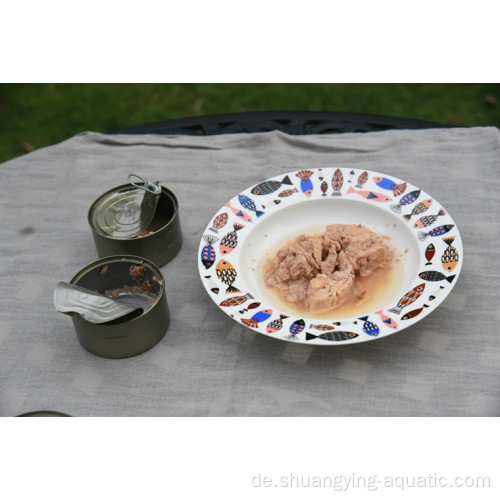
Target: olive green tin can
(160,243)
(122,277)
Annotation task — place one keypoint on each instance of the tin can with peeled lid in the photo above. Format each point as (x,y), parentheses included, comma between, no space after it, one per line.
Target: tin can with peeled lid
(127,278)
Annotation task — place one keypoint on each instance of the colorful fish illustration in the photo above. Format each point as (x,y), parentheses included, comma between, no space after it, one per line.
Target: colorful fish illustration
(249,204)
(398,189)
(268,187)
(219,222)
(208,252)
(276,324)
(415,312)
(324,188)
(387,320)
(369,328)
(295,328)
(437,231)
(227,274)
(257,318)
(429,254)
(407,199)
(408,298)
(251,306)
(322,328)
(427,220)
(449,259)
(287,192)
(332,336)
(337,182)
(384,182)
(236,301)
(436,276)
(419,208)
(370,195)
(230,240)
(239,213)
(362,179)
(306,184)
(436,293)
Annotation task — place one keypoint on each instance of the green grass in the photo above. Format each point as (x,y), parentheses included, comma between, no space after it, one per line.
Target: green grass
(36,115)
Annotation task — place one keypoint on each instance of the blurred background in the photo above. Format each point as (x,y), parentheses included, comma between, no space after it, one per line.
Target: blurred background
(37,115)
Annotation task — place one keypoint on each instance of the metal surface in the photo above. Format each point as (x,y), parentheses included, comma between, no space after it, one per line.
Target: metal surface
(113,276)
(95,307)
(127,212)
(160,245)
(290,122)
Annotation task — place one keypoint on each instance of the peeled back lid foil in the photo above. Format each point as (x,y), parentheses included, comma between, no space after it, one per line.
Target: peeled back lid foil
(127,212)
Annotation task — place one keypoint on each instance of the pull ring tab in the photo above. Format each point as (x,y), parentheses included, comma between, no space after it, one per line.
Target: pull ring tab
(146,185)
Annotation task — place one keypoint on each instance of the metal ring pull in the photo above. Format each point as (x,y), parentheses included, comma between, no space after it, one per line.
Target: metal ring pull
(146,185)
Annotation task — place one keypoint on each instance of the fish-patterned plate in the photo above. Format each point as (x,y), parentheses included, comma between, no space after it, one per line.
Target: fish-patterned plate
(248,230)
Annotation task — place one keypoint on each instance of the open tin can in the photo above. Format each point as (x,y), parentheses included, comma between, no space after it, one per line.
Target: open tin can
(122,277)
(159,242)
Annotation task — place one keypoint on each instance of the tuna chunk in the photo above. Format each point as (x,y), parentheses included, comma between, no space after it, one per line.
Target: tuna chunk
(320,272)
(326,292)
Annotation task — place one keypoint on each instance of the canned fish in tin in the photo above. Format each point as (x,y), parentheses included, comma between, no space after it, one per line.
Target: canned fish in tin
(137,219)
(127,278)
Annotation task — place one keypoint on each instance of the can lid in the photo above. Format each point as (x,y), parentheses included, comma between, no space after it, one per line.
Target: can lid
(127,212)
(96,307)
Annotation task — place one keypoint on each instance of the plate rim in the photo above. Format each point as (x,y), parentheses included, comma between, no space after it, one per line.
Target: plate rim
(353,173)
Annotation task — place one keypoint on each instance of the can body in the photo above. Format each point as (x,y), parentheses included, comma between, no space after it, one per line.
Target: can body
(126,338)
(162,243)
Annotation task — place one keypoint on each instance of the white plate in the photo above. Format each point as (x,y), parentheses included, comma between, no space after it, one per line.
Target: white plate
(256,222)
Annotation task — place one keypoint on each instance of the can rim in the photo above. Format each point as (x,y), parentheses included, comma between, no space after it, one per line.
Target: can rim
(133,259)
(164,190)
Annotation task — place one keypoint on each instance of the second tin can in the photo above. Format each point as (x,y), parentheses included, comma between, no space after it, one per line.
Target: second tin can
(159,243)
(124,277)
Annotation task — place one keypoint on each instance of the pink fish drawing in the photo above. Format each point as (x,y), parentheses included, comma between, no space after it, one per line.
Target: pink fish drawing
(387,320)
(370,195)
(239,213)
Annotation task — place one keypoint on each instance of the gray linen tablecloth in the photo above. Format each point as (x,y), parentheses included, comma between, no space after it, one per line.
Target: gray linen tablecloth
(207,364)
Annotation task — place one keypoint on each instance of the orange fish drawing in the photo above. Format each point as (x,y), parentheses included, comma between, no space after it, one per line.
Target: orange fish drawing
(449,259)
(419,208)
(227,274)
(236,301)
(408,298)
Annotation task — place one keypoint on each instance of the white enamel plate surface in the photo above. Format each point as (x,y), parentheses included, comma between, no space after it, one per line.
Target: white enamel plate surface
(253,225)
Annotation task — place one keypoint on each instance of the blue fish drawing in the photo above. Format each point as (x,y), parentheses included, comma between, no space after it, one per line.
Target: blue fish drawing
(369,328)
(257,318)
(306,184)
(295,328)
(384,182)
(249,204)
